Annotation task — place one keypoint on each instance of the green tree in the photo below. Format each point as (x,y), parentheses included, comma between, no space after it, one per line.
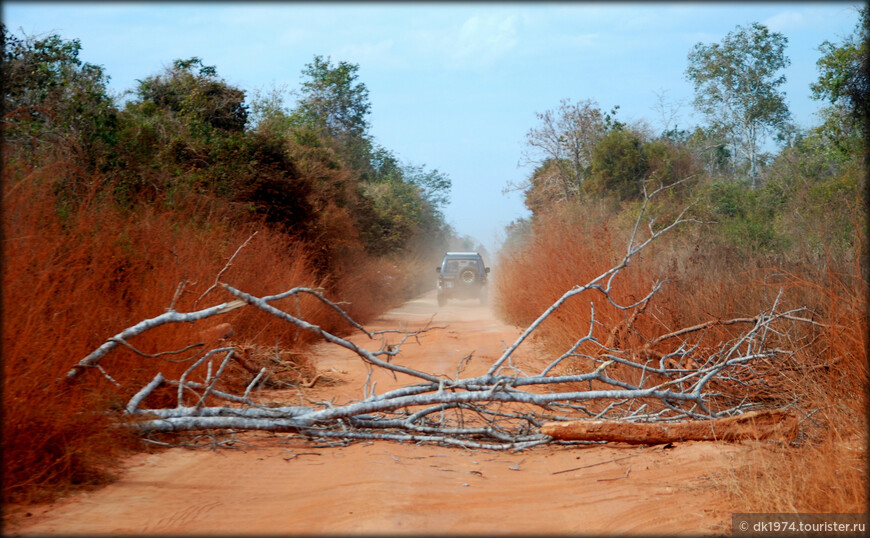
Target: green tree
(267,112)
(618,165)
(624,160)
(398,215)
(50,95)
(334,102)
(737,86)
(561,147)
(405,202)
(192,91)
(434,186)
(843,73)
(384,165)
(746,215)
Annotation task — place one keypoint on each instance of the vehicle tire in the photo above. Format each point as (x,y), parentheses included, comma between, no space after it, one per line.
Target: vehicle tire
(442,300)
(468,276)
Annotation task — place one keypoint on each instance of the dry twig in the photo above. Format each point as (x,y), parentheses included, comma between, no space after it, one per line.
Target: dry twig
(503,408)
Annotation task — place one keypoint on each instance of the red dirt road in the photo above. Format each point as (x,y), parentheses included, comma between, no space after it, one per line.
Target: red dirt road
(280,485)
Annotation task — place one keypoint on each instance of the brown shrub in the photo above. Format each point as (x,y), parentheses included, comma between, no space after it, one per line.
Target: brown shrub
(826,379)
(78,270)
(568,250)
(827,472)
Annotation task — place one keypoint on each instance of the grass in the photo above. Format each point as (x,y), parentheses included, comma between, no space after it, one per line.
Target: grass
(826,381)
(76,271)
(827,472)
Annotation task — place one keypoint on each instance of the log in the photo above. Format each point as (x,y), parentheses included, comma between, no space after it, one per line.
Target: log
(244,361)
(221,331)
(768,424)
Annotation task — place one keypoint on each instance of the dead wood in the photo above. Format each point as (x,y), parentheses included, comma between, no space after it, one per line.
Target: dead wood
(244,362)
(779,424)
(679,391)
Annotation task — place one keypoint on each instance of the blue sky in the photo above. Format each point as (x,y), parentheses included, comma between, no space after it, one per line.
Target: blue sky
(454,86)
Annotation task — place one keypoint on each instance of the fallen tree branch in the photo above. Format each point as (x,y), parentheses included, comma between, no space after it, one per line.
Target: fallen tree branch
(770,424)
(679,391)
(169,317)
(224,270)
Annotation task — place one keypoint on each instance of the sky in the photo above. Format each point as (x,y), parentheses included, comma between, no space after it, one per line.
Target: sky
(452,86)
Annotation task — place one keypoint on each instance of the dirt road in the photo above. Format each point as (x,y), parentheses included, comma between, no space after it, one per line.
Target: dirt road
(278,485)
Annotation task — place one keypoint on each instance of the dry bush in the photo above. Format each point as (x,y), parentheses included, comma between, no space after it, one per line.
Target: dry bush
(78,270)
(706,280)
(567,250)
(368,286)
(827,471)
(564,251)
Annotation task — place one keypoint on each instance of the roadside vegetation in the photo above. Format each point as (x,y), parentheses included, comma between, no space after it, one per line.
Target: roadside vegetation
(115,210)
(787,224)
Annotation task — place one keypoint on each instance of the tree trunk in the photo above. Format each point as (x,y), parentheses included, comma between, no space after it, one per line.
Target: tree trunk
(776,424)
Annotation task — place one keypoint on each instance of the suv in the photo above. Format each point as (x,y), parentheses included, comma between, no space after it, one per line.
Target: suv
(462,275)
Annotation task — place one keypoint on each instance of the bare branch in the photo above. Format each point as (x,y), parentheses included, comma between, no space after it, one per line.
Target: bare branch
(142,394)
(504,408)
(169,317)
(160,354)
(222,271)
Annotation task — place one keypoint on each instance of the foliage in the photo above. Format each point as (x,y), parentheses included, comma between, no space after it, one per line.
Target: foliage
(401,205)
(623,161)
(669,162)
(561,147)
(388,206)
(333,102)
(618,165)
(52,99)
(397,214)
(819,184)
(745,216)
(267,113)
(433,186)
(737,87)
(405,201)
(193,91)
(843,73)
(792,199)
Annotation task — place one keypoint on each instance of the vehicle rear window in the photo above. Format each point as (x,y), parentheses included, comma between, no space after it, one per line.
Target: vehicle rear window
(454,265)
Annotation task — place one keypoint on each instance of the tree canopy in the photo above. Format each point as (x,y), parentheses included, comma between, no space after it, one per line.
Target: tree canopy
(843,73)
(192,89)
(49,93)
(737,87)
(335,102)
(561,146)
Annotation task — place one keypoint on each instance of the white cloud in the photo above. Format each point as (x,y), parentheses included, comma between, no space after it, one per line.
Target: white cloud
(481,40)
(785,21)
